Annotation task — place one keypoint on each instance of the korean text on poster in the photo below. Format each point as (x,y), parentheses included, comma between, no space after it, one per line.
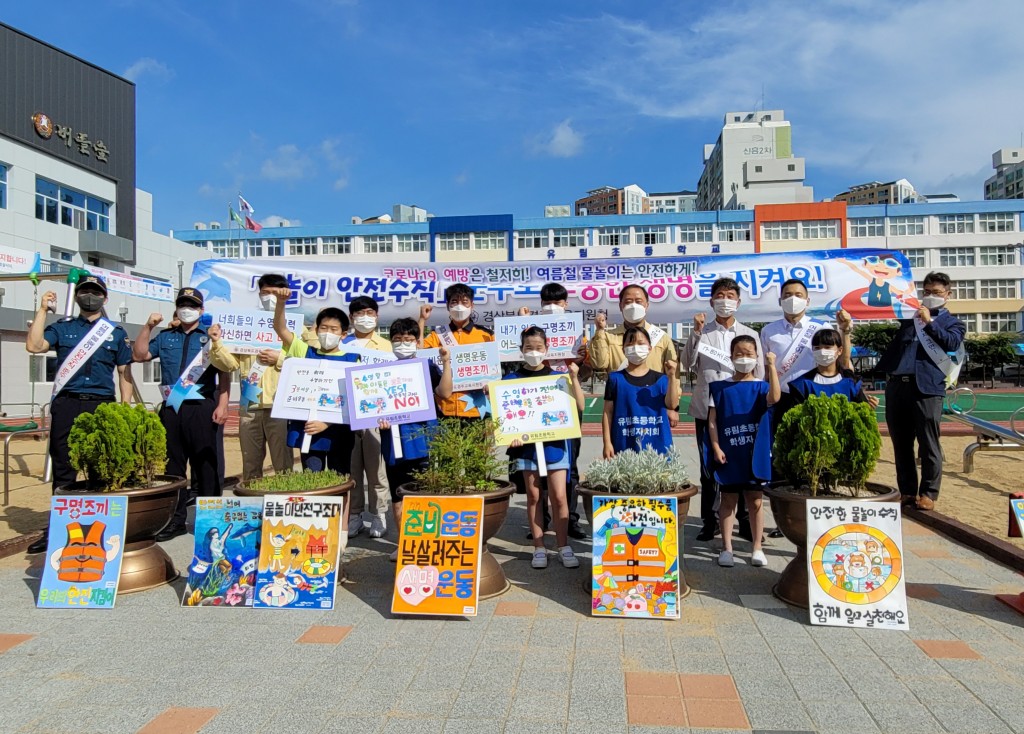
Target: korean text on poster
(398,391)
(311,384)
(222,572)
(248,332)
(534,409)
(474,366)
(564,333)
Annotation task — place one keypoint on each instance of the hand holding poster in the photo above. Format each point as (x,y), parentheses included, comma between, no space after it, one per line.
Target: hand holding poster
(534,409)
(249,332)
(312,385)
(223,568)
(564,332)
(398,391)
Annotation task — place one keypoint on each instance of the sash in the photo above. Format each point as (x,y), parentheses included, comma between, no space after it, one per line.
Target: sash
(796,349)
(656,335)
(85,349)
(250,385)
(444,333)
(186,388)
(719,355)
(950,366)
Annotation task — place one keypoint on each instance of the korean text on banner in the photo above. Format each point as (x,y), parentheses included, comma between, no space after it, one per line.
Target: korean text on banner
(13,260)
(223,568)
(564,333)
(133,285)
(249,332)
(399,392)
(534,409)
(311,385)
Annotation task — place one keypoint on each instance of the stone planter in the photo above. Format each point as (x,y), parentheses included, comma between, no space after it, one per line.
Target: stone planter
(790,511)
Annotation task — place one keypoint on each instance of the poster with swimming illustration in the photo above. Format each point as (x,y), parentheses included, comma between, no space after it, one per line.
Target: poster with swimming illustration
(300,547)
(222,572)
(856,576)
(398,391)
(83,552)
(635,571)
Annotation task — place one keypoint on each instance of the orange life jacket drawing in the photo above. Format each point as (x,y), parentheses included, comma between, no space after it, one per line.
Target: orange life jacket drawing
(634,556)
(83,558)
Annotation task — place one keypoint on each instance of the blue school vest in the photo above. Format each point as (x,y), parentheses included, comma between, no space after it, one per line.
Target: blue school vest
(639,416)
(744,431)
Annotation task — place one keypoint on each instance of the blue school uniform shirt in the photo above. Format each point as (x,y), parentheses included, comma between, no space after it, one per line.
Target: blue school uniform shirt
(296,429)
(804,386)
(743,417)
(554,451)
(639,415)
(414,436)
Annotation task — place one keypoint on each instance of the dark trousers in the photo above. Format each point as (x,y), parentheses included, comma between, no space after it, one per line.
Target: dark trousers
(193,442)
(63,411)
(708,486)
(338,457)
(516,477)
(912,416)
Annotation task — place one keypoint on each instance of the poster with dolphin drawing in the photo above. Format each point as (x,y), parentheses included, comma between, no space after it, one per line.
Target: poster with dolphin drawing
(222,572)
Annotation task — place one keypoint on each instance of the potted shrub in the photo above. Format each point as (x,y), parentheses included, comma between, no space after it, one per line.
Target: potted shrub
(462,460)
(826,447)
(122,450)
(641,473)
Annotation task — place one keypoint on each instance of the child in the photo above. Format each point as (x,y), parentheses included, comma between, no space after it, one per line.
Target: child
(414,436)
(637,400)
(826,378)
(534,345)
(739,420)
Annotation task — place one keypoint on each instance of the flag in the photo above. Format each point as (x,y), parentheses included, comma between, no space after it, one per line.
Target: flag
(234,215)
(245,206)
(254,226)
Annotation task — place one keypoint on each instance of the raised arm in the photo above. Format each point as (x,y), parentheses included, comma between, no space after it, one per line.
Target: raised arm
(140,349)
(844,322)
(577,387)
(280,323)
(674,391)
(445,387)
(774,389)
(35,342)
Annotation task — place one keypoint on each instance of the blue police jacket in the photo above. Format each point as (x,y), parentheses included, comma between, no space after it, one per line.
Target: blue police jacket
(906,355)
(175,349)
(96,377)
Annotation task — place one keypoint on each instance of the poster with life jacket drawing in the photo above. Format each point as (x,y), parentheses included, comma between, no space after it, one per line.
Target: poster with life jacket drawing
(83,552)
(222,572)
(635,571)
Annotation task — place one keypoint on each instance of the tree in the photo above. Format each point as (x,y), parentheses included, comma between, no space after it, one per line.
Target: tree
(875,336)
(990,352)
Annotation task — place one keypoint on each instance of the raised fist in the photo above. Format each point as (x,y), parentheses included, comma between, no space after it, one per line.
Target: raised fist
(282,293)
(601,321)
(49,301)
(769,359)
(443,353)
(524,311)
(425,311)
(843,320)
(698,322)
(154,319)
(214,332)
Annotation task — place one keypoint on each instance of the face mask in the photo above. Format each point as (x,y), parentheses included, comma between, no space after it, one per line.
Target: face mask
(552,308)
(533,359)
(794,305)
(269,303)
(724,307)
(932,302)
(328,341)
(459,313)
(404,350)
(364,324)
(634,313)
(824,357)
(89,302)
(188,315)
(743,365)
(637,354)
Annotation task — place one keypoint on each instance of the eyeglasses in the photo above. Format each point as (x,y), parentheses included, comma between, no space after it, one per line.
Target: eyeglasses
(888,262)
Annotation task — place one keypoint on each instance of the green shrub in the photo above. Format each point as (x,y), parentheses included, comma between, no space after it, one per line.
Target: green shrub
(118,446)
(638,472)
(297,482)
(462,458)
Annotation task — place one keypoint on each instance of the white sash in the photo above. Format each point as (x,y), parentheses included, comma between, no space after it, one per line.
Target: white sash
(85,349)
(950,366)
(719,355)
(444,333)
(656,336)
(796,348)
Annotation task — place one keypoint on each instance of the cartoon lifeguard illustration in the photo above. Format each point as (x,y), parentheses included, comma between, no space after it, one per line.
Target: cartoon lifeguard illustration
(883,298)
(84,557)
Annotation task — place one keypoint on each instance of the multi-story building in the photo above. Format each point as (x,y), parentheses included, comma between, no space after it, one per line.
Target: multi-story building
(609,200)
(876,192)
(670,202)
(752,163)
(1008,180)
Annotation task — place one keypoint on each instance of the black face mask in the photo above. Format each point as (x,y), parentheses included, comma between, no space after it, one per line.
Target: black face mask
(90,302)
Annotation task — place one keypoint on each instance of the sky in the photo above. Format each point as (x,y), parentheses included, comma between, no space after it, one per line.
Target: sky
(320,110)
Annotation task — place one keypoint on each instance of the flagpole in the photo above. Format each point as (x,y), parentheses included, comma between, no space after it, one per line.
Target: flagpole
(231,224)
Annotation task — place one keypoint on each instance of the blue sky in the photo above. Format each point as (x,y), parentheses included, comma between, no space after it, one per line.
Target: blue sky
(319,110)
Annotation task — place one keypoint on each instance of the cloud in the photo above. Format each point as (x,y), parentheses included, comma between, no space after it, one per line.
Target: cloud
(337,164)
(288,163)
(275,220)
(147,65)
(462,177)
(562,142)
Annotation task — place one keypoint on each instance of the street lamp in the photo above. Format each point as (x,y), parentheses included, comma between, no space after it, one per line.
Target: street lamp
(122,310)
(181,264)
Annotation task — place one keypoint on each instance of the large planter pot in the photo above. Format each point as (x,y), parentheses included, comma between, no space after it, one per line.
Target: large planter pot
(682,497)
(492,581)
(242,490)
(790,511)
(145,565)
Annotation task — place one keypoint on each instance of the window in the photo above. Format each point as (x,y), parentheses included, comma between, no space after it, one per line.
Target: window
(336,245)
(3,186)
(302,246)
(76,209)
(649,235)
(997,222)
(916,258)
(533,238)
(956,224)
(951,257)
(613,236)
(1002,255)
(791,167)
(695,233)
(819,229)
(734,232)
(999,289)
(903,226)
(253,248)
(868,227)
(65,256)
(151,373)
(452,241)
(378,244)
(42,368)
(412,243)
(274,248)
(226,248)
(758,169)
(569,238)
(489,241)
(993,322)
(780,231)
(964,290)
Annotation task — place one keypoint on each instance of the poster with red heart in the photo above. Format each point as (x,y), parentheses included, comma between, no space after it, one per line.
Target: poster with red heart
(439,549)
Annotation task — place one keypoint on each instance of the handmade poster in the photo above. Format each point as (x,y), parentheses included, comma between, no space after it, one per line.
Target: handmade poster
(1016,513)
(439,546)
(564,332)
(855,564)
(635,570)
(222,572)
(311,385)
(534,409)
(300,545)
(83,552)
(474,366)
(399,391)
(249,332)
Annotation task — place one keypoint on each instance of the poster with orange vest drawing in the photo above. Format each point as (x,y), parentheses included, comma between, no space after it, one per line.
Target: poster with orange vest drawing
(635,570)
(83,552)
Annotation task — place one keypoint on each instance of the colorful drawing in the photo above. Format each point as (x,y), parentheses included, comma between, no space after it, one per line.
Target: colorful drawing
(299,552)
(312,384)
(1017,510)
(534,409)
(855,564)
(399,391)
(83,552)
(636,557)
(439,550)
(223,568)
(890,291)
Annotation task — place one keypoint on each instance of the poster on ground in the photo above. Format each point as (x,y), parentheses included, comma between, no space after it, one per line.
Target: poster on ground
(248,332)
(84,551)
(1017,511)
(534,409)
(222,572)
(439,548)
(307,385)
(635,570)
(855,571)
(564,334)
(400,392)
(300,546)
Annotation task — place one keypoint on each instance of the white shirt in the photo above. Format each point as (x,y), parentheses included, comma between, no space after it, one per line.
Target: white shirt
(778,336)
(709,370)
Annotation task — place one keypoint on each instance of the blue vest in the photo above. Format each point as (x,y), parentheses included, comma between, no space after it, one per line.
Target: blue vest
(639,415)
(743,418)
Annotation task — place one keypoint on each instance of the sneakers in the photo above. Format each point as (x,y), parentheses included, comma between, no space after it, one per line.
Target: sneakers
(377,529)
(355,525)
(725,559)
(540,558)
(569,560)
(757,559)
(394,556)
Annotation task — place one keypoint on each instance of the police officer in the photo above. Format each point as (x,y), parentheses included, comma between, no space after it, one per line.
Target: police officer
(193,435)
(92,383)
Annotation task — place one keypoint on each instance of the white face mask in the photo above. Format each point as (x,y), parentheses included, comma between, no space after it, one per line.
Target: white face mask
(534,359)
(933,302)
(637,354)
(364,324)
(634,313)
(328,341)
(724,307)
(459,312)
(188,315)
(552,308)
(794,305)
(268,302)
(825,357)
(404,350)
(743,365)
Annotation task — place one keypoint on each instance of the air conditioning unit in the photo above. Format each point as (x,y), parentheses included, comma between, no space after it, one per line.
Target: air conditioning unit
(199,225)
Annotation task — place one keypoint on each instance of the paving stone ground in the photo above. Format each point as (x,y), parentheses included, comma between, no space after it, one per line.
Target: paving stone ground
(532,661)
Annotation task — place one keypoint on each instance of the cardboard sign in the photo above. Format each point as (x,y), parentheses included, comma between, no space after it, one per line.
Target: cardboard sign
(399,391)
(534,409)
(84,551)
(300,545)
(248,332)
(1017,512)
(223,568)
(312,385)
(564,332)
(439,548)
(855,564)
(635,569)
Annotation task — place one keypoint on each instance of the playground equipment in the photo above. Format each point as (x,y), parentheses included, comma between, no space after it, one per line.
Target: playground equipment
(989,436)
